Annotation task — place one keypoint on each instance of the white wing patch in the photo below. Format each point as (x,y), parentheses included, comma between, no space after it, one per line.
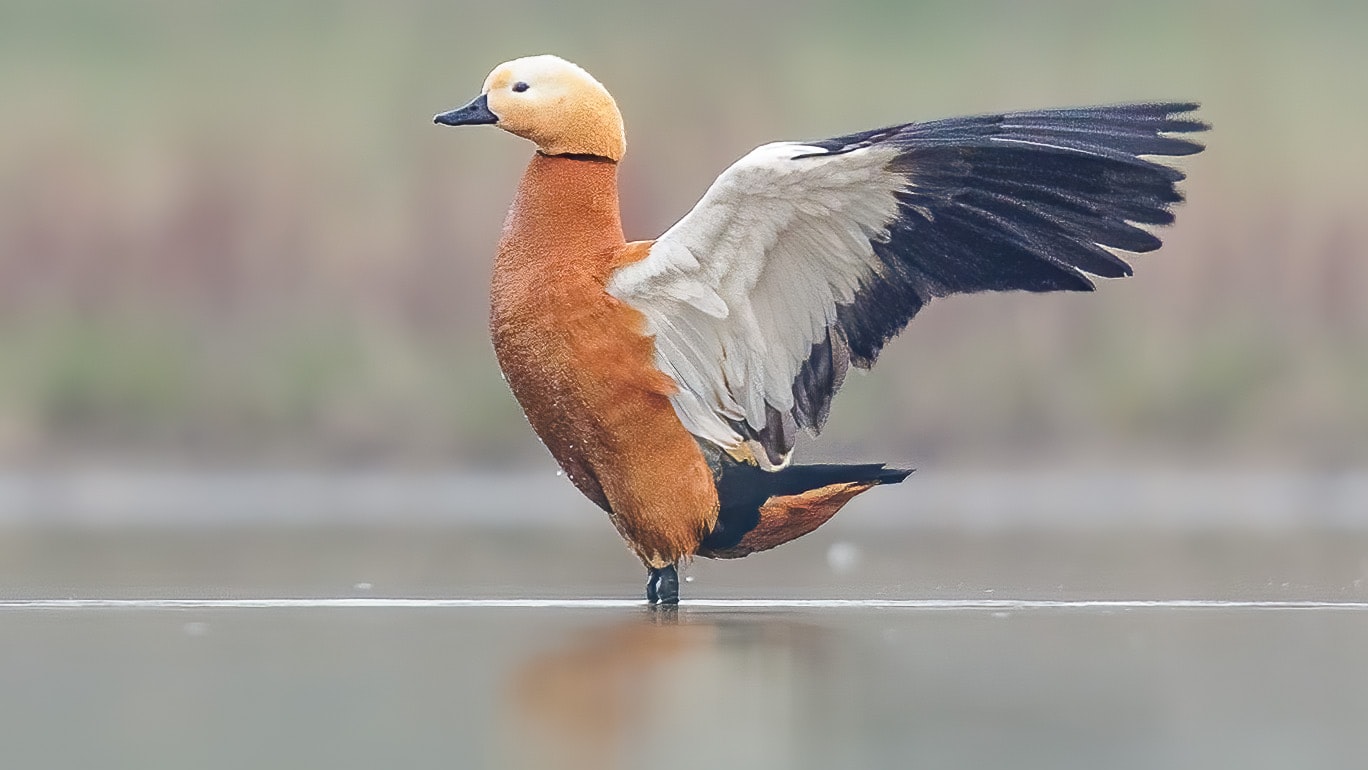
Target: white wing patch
(739,290)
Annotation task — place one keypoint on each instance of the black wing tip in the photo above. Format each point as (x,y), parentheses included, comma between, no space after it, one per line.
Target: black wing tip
(1158,109)
(1179,112)
(1084,283)
(1162,118)
(1160,121)
(1179,118)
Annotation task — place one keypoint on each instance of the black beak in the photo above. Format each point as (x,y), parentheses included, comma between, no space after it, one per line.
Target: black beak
(474,114)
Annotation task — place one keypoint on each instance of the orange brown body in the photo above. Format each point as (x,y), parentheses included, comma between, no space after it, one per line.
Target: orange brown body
(579,364)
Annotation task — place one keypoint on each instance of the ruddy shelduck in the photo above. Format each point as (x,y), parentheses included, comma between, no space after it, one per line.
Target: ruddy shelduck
(669,378)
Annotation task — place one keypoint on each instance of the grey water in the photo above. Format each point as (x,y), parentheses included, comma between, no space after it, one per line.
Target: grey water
(401,640)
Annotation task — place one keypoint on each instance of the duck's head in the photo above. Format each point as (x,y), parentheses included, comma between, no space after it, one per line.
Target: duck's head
(550,101)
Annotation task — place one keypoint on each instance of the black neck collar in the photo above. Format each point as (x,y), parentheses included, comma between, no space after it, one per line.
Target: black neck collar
(579,156)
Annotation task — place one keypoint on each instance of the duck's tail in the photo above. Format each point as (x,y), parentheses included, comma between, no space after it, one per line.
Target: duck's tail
(760,509)
(796,479)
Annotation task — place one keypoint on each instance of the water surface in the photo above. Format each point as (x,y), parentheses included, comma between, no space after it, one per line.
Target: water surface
(367,647)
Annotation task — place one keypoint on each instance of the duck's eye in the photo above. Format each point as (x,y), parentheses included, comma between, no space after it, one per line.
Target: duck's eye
(520,86)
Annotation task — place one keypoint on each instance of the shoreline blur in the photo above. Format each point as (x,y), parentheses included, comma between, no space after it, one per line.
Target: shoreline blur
(983,501)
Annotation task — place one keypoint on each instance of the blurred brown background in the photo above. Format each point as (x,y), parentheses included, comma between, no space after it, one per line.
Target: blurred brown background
(230,235)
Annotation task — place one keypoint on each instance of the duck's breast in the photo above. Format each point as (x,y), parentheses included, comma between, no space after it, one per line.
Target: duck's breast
(581,366)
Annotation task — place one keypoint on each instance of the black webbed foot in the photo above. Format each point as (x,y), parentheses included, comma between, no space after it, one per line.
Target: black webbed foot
(662,586)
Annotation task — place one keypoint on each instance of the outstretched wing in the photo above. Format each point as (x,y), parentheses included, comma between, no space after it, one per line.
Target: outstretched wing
(805,258)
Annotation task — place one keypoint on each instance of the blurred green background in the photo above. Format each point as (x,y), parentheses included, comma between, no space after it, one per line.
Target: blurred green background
(230,235)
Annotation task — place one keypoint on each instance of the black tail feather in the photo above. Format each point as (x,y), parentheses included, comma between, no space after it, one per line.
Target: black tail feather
(800,478)
(742,488)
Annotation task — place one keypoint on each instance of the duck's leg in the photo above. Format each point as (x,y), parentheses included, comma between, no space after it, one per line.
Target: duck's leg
(667,585)
(662,585)
(652,579)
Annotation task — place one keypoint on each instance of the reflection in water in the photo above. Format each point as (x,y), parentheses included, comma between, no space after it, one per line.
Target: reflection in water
(667,688)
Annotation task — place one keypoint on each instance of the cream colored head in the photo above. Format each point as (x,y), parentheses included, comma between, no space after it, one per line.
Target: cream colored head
(550,101)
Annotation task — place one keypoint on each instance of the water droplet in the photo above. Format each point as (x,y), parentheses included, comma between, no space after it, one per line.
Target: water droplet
(364,586)
(688,578)
(560,473)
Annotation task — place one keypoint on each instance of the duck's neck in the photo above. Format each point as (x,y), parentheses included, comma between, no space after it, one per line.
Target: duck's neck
(565,217)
